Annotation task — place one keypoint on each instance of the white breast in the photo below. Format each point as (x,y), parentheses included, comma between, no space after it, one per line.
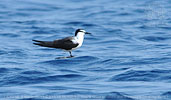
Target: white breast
(79,39)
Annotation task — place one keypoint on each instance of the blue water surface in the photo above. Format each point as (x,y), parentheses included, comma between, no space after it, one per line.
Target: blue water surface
(127,57)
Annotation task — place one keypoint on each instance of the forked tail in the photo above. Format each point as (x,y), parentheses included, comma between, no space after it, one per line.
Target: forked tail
(43,43)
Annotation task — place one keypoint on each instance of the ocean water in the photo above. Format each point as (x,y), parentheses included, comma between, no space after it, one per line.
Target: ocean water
(127,57)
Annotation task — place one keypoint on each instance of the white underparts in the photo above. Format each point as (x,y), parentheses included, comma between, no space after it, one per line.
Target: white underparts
(79,39)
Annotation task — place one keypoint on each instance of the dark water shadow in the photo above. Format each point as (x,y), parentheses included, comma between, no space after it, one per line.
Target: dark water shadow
(70,61)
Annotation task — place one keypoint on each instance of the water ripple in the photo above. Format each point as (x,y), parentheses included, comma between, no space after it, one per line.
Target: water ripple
(117,96)
(72,61)
(133,75)
(37,77)
(155,38)
(9,35)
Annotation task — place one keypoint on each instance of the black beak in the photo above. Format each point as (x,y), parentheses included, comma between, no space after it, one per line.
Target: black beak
(87,33)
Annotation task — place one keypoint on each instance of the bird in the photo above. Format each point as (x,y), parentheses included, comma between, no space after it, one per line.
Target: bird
(68,43)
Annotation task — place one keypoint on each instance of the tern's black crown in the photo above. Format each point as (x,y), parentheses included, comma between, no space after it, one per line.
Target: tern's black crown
(78,30)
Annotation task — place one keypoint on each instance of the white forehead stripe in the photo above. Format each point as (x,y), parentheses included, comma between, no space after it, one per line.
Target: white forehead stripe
(83,30)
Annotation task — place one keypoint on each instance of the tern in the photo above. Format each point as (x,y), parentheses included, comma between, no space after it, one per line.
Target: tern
(67,44)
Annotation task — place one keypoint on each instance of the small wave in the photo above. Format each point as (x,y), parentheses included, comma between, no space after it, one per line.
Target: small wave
(6,70)
(59,62)
(83,58)
(146,27)
(155,38)
(54,88)
(99,13)
(17,53)
(33,72)
(19,14)
(133,75)
(133,22)
(140,11)
(146,61)
(3,70)
(40,32)
(107,11)
(79,93)
(68,71)
(107,61)
(9,35)
(74,23)
(34,99)
(89,25)
(2,52)
(165,27)
(61,78)
(167,94)
(39,77)
(81,24)
(29,22)
(117,96)
(124,14)
(34,9)
(70,61)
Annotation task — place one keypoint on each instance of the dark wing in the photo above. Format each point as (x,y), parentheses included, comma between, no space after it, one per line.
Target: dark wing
(65,43)
(44,43)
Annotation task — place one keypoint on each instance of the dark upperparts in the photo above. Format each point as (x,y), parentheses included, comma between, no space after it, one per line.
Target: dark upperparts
(65,43)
